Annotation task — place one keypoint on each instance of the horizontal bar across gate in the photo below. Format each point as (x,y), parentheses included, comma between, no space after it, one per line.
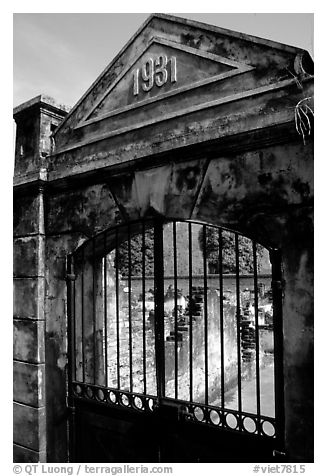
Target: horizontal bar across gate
(177,313)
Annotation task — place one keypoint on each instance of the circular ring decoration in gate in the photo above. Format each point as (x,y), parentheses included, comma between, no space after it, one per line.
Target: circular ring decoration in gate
(89,392)
(268,428)
(78,390)
(249,425)
(198,413)
(214,417)
(112,397)
(138,403)
(125,400)
(100,395)
(231,421)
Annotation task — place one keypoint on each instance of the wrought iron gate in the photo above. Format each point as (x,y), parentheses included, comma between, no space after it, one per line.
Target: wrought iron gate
(175,345)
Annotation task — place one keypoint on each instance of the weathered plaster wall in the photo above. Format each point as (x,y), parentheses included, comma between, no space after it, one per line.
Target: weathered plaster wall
(235,162)
(264,194)
(56,343)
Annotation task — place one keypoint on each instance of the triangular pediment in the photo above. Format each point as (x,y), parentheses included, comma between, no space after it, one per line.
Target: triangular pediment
(163,69)
(176,71)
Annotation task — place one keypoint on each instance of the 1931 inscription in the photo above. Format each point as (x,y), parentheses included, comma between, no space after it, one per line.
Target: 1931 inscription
(155,71)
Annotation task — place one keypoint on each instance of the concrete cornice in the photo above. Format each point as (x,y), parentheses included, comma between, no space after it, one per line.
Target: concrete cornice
(44,102)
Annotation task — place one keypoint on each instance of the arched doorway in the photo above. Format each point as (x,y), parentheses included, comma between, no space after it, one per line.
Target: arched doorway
(175,350)
(217,143)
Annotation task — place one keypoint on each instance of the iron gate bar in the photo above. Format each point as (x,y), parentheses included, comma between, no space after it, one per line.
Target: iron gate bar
(221,301)
(276,263)
(105,308)
(205,315)
(119,232)
(238,323)
(71,331)
(175,310)
(190,309)
(82,298)
(256,320)
(117,306)
(93,312)
(159,307)
(71,314)
(143,304)
(130,307)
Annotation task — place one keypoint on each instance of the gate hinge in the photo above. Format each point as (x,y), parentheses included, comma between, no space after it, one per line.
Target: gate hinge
(70,277)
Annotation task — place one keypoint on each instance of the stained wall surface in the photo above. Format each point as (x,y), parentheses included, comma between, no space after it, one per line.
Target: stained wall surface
(226,153)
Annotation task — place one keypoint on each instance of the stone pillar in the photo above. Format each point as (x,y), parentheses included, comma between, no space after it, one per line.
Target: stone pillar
(298,317)
(35,120)
(29,371)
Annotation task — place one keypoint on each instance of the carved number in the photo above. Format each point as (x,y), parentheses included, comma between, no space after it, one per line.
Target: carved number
(155,71)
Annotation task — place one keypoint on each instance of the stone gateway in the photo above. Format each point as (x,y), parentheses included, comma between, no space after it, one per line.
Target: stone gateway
(163,256)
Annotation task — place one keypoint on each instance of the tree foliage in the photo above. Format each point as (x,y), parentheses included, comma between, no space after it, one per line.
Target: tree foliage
(134,259)
(228,251)
(136,255)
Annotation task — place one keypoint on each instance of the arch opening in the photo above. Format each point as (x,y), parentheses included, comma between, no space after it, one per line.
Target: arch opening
(176,313)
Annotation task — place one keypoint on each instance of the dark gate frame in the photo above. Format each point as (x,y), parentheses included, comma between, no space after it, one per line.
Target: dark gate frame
(161,405)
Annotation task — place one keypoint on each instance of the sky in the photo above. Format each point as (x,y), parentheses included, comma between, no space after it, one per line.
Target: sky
(61,54)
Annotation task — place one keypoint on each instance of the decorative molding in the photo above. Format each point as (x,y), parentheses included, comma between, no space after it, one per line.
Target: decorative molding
(182,112)
(272,134)
(183,22)
(238,68)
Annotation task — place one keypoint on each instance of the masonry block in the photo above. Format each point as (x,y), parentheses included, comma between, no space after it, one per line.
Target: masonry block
(29,426)
(25,455)
(29,383)
(26,212)
(28,297)
(28,340)
(27,255)
(89,209)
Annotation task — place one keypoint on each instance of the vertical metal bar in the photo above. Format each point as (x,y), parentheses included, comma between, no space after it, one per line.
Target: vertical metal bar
(143,306)
(256,321)
(94,312)
(105,309)
(74,321)
(276,263)
(190,308)
(206,397)
(130,308)
(159,307)
(71,318)
(238,324)
(117,307)
(71,354)
(82,317)
(175,301)
(221,300)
